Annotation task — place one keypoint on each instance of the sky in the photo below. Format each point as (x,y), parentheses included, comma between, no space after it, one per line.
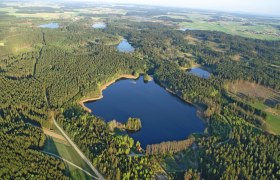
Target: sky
(269,7)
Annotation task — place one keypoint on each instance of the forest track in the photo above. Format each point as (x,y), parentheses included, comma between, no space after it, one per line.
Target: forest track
(39,56)
(54,134)
(78,151)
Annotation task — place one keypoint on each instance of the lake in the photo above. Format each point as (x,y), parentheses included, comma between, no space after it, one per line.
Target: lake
(99,25)
(164,116)
(199,72)
(125,47)
(50,25)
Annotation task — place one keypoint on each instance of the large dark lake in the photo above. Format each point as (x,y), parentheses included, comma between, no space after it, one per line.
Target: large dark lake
(164,116)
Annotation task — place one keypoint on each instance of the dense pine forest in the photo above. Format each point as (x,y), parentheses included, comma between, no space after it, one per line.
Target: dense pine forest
(45,73)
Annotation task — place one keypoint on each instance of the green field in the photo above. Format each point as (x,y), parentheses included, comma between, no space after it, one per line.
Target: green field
(273,116)
(274,122)
(65,151)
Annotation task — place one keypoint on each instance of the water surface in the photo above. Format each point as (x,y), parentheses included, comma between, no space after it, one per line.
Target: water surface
(199,72)
(124,46)
(185,29)
(164,116)
(50,25)
(99,25)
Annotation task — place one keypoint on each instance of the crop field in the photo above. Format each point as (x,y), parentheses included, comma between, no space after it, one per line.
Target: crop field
(232,25)
(50,12)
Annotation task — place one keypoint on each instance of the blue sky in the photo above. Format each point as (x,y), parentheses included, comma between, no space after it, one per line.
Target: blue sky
(270,7)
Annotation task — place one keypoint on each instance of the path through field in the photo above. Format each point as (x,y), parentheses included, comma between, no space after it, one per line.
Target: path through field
(78,151)
(71,164)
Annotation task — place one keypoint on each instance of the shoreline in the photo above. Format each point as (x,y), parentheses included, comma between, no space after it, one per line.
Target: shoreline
(199,110)
(130,76)
(103,87)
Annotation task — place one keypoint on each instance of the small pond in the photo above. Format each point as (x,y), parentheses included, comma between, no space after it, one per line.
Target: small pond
(185,29)
(50,25)
(99,25)
(125,47)
(199,72)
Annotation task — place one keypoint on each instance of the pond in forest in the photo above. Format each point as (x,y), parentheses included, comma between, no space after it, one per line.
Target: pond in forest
(125,47)
(50,25)
(185,29)
(199,72)
(99,25)
(164,116)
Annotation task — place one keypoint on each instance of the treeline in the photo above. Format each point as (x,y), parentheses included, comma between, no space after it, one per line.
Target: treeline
(169,147)
(147,13)
(167,18)
(252,110)
(253,115)
(34,10)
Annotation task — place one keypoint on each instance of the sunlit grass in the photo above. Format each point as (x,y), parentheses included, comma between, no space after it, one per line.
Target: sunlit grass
(64,150)
(273,116)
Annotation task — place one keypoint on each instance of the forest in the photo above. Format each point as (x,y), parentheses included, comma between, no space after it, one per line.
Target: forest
(51,70)
(238,151)
(20,150)
(109,153)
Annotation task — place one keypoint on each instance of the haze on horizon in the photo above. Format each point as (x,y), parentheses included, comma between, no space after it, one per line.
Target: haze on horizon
(262,7)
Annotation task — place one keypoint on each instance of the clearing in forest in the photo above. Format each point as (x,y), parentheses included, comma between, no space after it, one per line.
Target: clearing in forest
(58,145)
(263,98)
(54,134)
(253,90)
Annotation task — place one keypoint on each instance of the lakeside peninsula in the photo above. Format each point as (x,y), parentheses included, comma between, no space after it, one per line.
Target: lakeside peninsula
(132,124)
